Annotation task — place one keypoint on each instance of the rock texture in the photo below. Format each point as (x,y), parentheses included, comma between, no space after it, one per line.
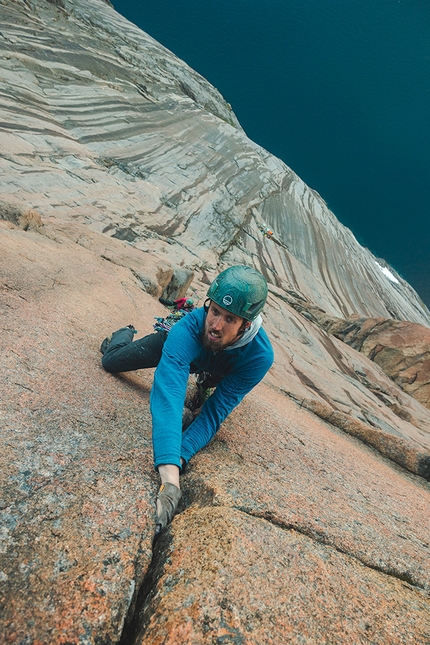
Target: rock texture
(400,348)
(104,126)
(277,576)
(125,176)
(283,507)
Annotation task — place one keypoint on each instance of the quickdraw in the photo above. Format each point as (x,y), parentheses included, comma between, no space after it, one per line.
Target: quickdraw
(182,307)
(166,324)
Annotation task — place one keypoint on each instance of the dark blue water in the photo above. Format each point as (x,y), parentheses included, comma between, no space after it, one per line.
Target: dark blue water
(338,89)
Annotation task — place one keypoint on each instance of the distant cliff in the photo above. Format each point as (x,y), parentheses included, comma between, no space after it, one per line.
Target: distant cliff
(124,176)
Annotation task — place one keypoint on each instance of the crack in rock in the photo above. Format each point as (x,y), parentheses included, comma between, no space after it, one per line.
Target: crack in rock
(139,611)
(321,539)
(201,495)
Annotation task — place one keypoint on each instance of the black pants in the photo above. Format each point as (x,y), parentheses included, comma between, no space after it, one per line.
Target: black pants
(123,355)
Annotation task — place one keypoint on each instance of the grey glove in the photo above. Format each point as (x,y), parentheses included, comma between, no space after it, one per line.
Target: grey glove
(169,496)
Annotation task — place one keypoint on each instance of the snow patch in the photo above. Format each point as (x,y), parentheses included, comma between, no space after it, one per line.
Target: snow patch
(387,273)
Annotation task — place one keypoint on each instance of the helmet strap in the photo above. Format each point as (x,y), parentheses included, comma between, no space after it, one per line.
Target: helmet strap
(244,326)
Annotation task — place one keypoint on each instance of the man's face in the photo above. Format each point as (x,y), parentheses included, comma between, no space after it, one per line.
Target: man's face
(221,328)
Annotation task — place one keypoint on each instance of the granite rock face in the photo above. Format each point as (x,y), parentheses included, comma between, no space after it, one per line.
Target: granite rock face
(400,348)
(126,176)
(283,507)
(277,575)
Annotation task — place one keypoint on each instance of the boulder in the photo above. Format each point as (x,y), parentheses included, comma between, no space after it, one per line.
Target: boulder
(179,284)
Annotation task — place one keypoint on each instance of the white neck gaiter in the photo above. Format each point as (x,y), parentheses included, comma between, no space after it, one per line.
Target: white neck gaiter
(247,335)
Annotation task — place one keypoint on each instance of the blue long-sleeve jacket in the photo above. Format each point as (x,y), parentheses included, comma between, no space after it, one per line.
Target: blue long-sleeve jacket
(183,352)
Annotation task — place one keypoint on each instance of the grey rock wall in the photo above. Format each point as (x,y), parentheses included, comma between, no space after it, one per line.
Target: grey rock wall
(103,125)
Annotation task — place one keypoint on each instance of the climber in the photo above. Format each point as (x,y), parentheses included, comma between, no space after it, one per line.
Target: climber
(266,231)
(222,342)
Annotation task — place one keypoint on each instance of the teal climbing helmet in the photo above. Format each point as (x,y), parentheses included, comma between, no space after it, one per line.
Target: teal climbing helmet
(241,290)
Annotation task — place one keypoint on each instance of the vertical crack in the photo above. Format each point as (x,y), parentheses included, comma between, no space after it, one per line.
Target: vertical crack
(142,606)
(140,611)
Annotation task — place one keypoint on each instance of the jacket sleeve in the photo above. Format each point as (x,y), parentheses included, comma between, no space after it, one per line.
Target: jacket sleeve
(168,393)
(228,394)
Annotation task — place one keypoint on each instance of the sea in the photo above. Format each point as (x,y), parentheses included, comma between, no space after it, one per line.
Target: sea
(337,89)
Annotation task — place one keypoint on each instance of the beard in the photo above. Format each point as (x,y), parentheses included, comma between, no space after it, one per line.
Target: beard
(212,344)
(215,340)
